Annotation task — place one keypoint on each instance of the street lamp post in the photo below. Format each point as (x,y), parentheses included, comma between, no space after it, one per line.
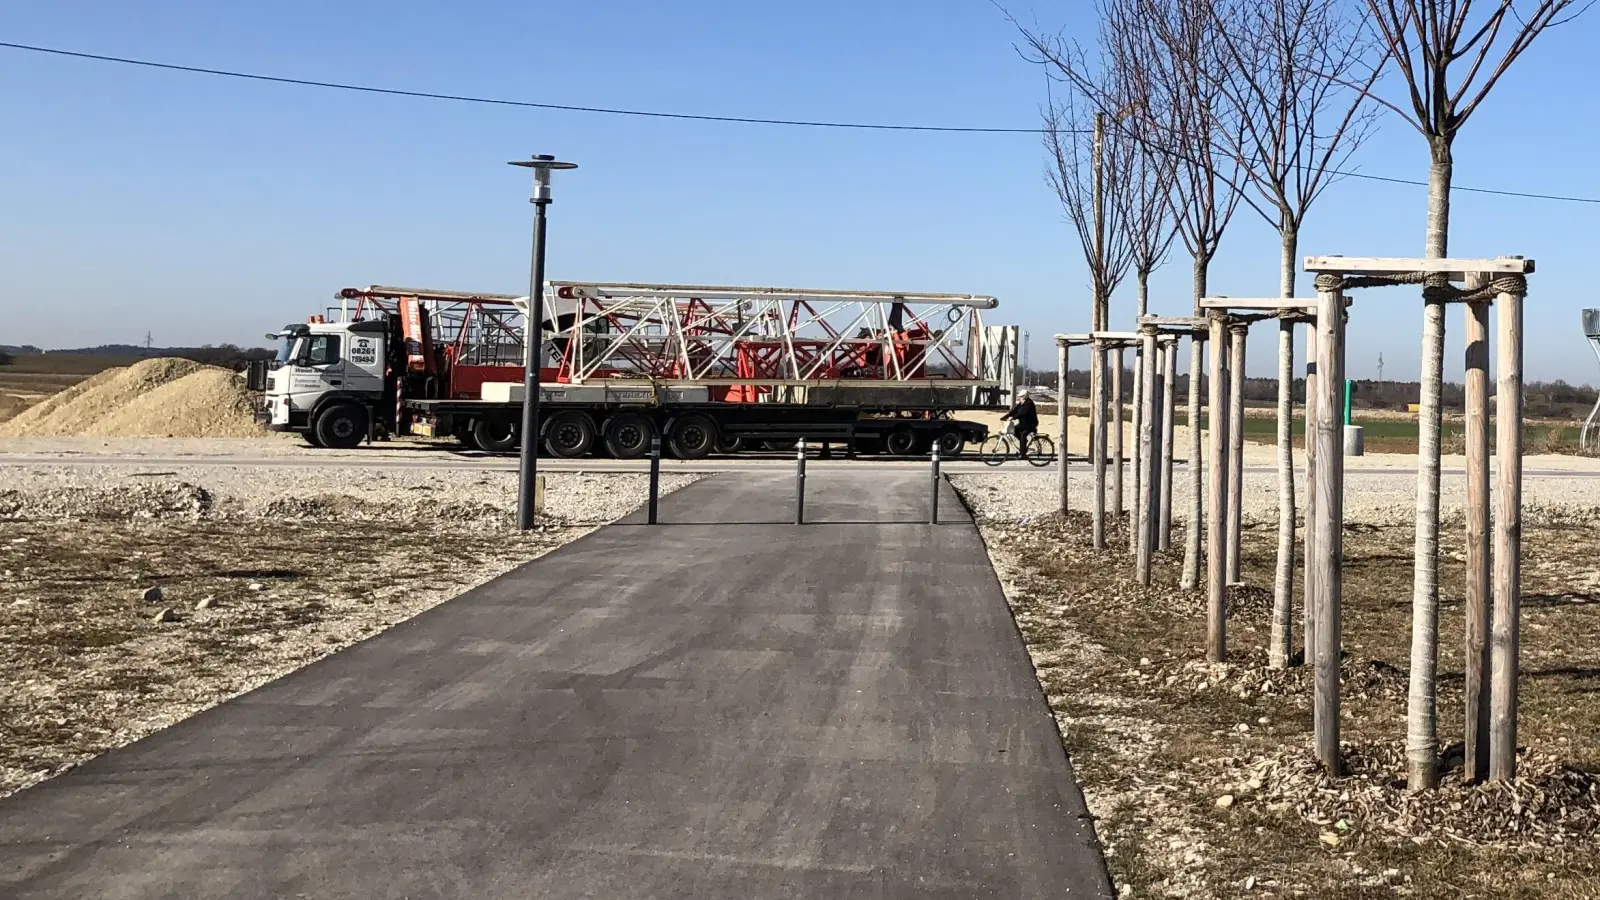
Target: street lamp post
(533,340)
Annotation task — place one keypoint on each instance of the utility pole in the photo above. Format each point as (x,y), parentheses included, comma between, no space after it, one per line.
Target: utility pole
(1380,366)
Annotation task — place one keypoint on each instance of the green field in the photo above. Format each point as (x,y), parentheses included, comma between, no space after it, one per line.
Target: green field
(1400,435)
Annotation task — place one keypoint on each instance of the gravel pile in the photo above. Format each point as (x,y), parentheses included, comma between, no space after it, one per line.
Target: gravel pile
(480,499)
(109,394)
(1370,498)
(209,402)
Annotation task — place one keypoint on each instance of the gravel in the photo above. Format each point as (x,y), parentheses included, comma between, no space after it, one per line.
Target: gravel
(1370,498)
(481,498)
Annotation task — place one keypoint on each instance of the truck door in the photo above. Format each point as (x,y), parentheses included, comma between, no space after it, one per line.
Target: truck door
(318,370)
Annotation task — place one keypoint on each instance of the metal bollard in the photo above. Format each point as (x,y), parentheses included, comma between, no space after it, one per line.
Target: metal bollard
(655,475)
(800,484)
(933,500)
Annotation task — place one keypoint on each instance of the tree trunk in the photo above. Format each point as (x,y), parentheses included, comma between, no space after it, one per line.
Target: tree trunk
(1440,172)
(1422,737)
(1201,264)
(1142,276)
(1281,649)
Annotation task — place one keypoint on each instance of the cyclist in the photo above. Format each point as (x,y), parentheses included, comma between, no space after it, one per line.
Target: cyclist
(1025,417)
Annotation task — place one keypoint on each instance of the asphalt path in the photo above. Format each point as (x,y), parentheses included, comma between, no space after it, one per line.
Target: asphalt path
(723,706)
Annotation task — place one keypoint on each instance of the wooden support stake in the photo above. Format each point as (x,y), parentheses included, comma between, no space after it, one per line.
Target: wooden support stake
(1478,601)
(1281,644)
(1216,525)
(1158,422)
(1504,637)
(1117,457)
(1134,467)
(1062,374)
(1169,382)
(1097,437)
(1308,579)
(1327,526)
(1422,722)
(1237,334)
(1197,494)
(1144,471)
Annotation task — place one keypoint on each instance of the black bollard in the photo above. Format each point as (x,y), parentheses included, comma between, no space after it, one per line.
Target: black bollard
(933,499)
(800,483)
(655,475)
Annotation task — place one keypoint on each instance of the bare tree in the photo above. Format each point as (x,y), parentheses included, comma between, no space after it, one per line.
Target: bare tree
(1288,64)
(1088,171)
(1450,57)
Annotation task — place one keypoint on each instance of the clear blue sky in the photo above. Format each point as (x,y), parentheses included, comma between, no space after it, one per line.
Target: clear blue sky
(209,210)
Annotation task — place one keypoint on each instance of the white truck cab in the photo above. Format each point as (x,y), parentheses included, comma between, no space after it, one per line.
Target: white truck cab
(327,381)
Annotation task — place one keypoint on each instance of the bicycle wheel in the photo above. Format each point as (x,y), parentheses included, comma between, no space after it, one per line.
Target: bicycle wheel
(995,450)
(1041,450)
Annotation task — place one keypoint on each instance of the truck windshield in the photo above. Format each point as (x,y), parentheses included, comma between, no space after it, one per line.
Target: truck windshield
(286,347)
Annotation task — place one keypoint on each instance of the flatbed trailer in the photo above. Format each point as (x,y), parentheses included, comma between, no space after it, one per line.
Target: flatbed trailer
(693,430)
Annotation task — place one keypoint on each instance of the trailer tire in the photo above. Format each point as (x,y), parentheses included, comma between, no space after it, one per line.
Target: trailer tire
(340,426)
(569,435)
(779,446)
(729,445)
(693,436)
(900,442)
(951,444)
(628,434)
(493,437)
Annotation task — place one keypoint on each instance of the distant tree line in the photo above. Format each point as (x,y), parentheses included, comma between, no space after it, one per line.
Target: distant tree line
(228,356)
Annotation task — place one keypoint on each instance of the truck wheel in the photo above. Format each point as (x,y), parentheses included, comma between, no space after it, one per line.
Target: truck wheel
(627,435)
(951,444)
(341,426)
(569,435)
(693,437)
(729,445)
(901,442)
(494,437)
(779,446)
(311,437)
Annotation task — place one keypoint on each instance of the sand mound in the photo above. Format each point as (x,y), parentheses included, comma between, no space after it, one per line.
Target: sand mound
(209,402)
(77,414)
(35,416)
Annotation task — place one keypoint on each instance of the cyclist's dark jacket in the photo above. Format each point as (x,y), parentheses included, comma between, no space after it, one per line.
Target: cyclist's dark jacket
(1025,414)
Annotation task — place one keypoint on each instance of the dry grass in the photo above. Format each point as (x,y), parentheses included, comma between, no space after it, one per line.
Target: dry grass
(1158,736)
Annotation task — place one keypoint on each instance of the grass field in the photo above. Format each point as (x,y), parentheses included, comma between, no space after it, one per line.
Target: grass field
(1389,435)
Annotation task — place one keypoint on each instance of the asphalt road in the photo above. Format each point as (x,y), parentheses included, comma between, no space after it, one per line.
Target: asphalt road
(721,707)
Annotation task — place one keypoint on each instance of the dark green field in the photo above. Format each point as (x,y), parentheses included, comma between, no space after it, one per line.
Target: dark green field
(1400,435)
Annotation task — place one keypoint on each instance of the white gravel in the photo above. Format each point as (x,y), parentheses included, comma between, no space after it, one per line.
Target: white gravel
(486,498)
(1370,498)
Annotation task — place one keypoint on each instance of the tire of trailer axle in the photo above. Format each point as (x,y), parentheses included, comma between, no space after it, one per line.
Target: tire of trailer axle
(951,444)
(693,436)
(569,435)
(779,446)
(900,442)
(493,437)
(627,435)
(729,445)
(340,426)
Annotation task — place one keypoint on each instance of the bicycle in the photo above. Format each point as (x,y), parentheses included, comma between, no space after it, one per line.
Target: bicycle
(1041,451)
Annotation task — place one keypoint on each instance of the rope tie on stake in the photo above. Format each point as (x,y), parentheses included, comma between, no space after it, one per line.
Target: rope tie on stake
(1436,286)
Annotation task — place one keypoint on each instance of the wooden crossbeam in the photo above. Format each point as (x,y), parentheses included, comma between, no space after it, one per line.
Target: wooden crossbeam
(1268,304)
(1187,323)
(1105,337)
(1457,269)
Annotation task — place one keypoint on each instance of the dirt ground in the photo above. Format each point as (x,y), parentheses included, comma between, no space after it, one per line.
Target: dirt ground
(1200,776)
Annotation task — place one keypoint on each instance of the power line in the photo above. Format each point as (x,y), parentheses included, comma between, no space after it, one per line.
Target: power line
(656,114)
(494,101)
